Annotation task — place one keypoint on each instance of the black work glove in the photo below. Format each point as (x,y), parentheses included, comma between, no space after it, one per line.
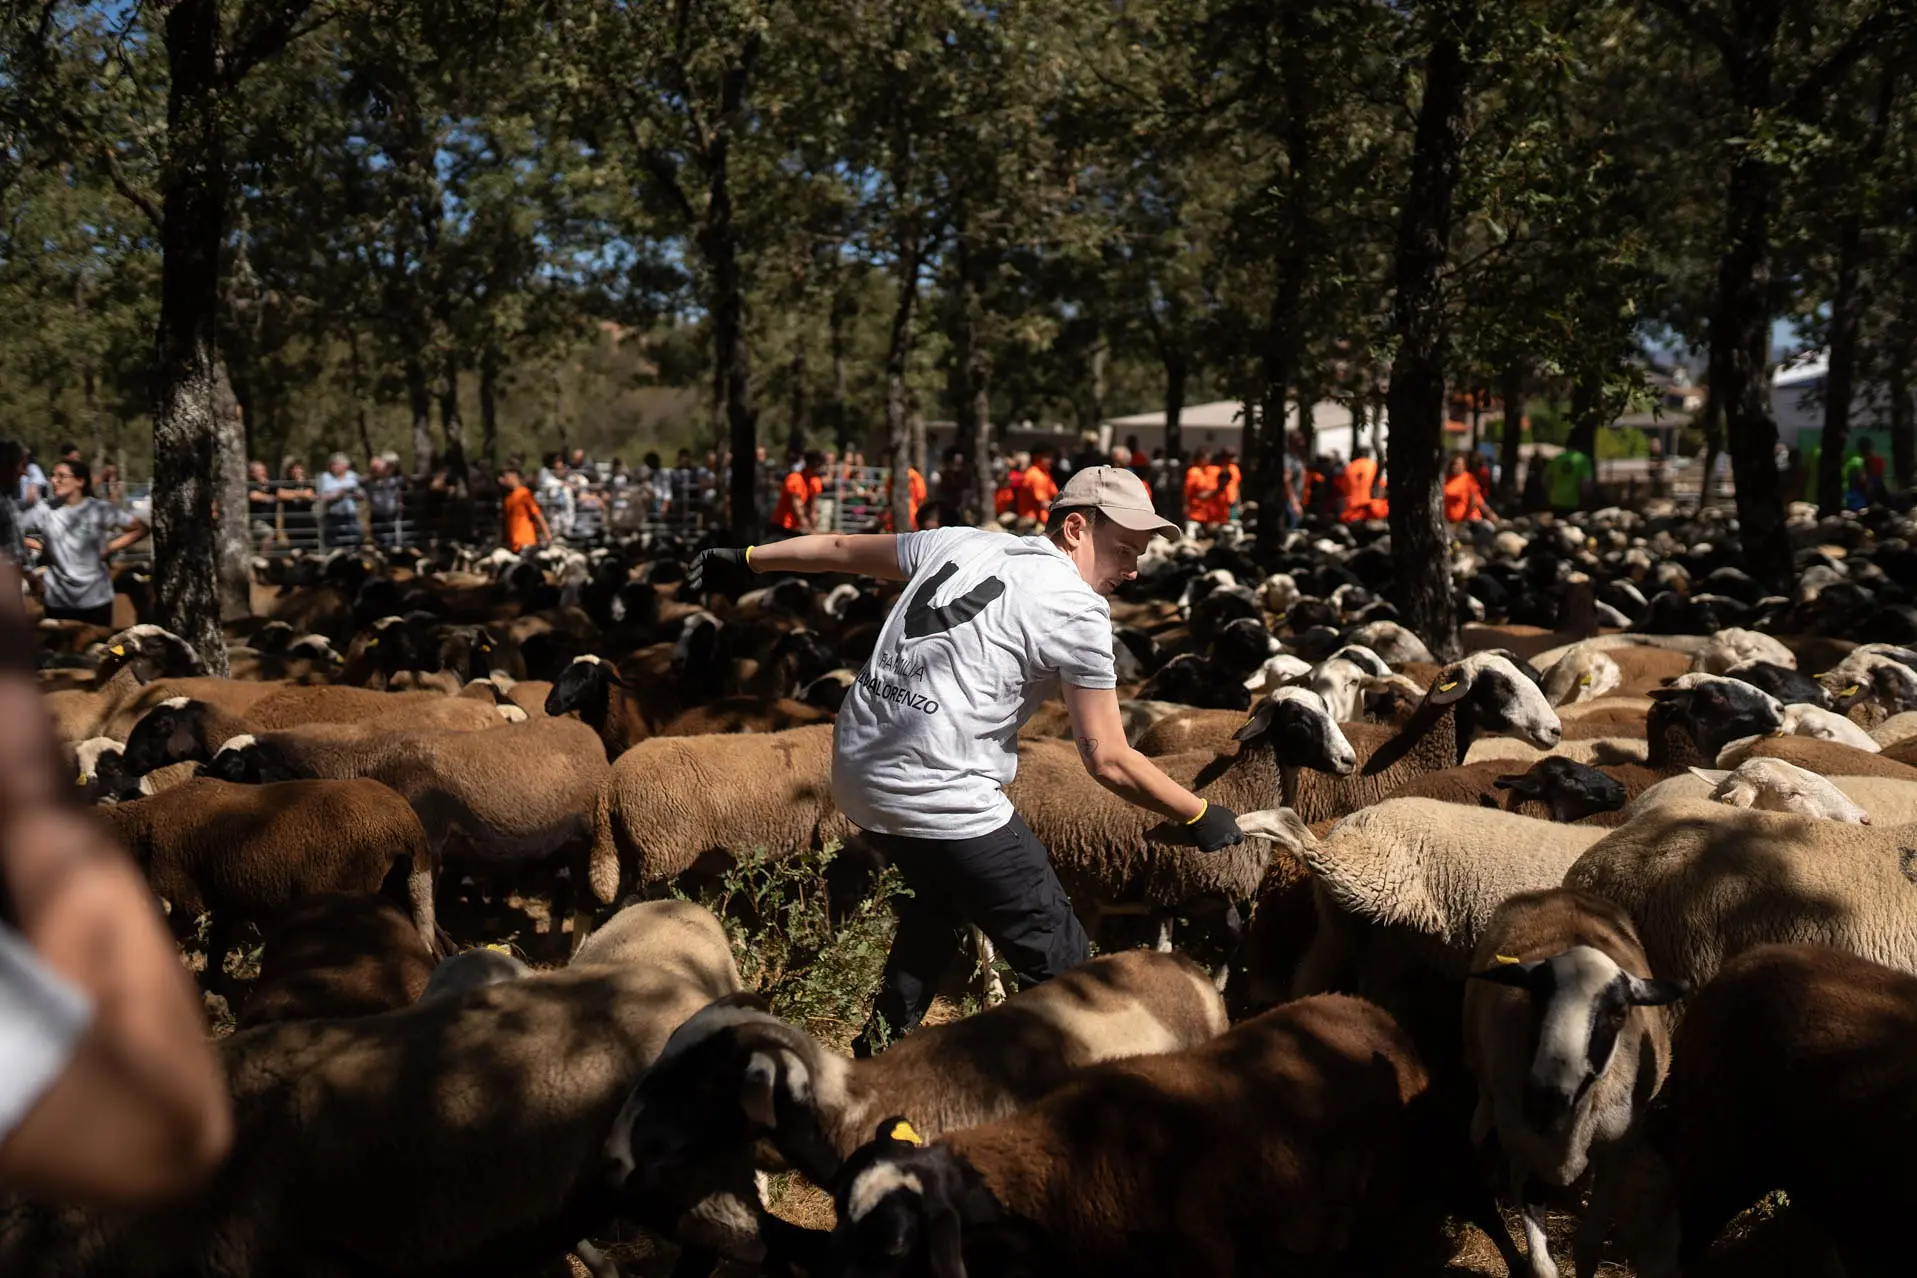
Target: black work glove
(717,562)
(1216,828)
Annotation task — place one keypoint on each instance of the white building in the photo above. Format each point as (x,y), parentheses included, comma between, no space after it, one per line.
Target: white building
(1222,425)
(1797,403)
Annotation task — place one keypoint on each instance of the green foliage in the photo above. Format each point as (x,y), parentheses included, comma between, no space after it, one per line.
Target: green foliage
(439,216)
(816,971)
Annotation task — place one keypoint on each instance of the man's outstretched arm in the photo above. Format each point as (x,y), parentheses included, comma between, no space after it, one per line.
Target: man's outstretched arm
(861,554)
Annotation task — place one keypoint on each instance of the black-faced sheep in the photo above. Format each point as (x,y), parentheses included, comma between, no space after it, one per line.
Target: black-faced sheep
(1291,1143)
(735,1074)
(1564,1034)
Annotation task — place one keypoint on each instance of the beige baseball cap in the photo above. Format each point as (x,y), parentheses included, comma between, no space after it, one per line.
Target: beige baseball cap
(1118,494)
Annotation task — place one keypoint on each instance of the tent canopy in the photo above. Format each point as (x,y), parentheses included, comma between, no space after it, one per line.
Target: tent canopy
(1221,424)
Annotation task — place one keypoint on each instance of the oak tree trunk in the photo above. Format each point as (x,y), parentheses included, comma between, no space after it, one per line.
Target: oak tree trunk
(898,424)
(193,210)
(1416,400)
(235,536)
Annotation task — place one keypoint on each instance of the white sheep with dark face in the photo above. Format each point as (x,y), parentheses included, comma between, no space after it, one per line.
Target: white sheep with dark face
(1565,1035)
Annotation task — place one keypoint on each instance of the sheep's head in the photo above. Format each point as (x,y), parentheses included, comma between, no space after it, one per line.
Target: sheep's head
(1583,674)
(1774,785)
(153,653)
(172,732)
(1571,790)
(902,1205)
(731,1076)
(584,686)
(1580,1001)
(1391,641)
(1882,673)
(1715,710)
(1192,680)
(1494,694)
(1340,680)
(1301,732)
(1243,646)
(1788,685)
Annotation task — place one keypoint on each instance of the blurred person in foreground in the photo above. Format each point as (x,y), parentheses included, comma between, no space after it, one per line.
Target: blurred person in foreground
(109,1091)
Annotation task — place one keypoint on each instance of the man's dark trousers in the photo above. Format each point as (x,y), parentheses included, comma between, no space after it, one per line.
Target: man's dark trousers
(1003,884)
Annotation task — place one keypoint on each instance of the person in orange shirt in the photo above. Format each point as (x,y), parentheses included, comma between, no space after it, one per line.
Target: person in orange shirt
(915,497)
(1034,497)
(797,511)
(524,522)
(1006,495)
(1463,496)
(1356,484)
(1234,482)
(1204,487)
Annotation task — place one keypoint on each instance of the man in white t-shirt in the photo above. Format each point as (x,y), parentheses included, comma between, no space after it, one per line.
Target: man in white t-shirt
(988,627)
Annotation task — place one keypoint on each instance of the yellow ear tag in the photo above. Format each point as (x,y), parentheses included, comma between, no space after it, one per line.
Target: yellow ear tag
(117,650)
(500,949)
(372,643)
(902,1131)
(1506,959)
(1446,687)
(1851,691)
(1584,680)
(81,779)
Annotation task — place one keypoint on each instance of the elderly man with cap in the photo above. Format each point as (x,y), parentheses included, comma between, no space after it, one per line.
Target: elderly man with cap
(987,627)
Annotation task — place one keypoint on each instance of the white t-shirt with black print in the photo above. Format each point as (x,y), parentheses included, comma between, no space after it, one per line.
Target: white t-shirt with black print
(986,629)
(71,539)
(42,1019)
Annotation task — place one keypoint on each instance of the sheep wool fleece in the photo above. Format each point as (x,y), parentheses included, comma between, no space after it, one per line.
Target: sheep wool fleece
(987,628)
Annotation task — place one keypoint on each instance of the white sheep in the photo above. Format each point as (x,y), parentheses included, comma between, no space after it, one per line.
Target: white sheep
(1279,592)
(1428,874)
(1583,674)
(1733,646)
(1340,679)
(1391,641)
(1706,882)
(1771,785)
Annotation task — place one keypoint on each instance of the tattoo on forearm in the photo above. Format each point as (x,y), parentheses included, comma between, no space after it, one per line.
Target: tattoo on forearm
(1088,749)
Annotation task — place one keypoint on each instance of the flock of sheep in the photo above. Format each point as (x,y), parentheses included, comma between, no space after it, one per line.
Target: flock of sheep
(1616,915)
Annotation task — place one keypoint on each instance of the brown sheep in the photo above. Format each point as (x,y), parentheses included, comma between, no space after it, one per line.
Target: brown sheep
(459,1135)
(1791,1071)
(519,793)
(337,955)
(743,714)
(1292,1143)
(1830,758)
(245,854)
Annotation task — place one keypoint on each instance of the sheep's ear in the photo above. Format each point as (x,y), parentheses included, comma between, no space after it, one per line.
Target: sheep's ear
(1259,723)
(1452,683)
(767,1073)
(1740,794)
(1712,777)
(1520,782)
(1653,991)
(942,1242)
(1509,972)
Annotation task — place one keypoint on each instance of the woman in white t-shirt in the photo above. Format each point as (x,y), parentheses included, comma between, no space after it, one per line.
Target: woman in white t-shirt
(77,536)
(989,626)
